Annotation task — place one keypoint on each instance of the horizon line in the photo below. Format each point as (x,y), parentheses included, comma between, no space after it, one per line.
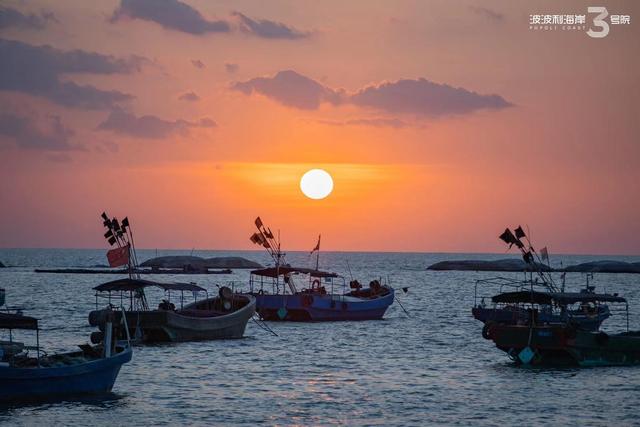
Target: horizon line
(332,251)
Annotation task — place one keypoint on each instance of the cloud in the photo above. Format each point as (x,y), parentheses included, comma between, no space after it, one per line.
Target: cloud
(419,97)
(14,18)
(231,68)
(151,127)
(189,96)
(291,89)
(375,122)
(268,29)
(170,14)
(198,64)
(48,134)
(426,98)
(487,13)
(36,70)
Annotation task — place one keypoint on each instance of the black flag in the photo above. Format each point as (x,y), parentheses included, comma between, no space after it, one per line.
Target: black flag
(508,237)
(519,233)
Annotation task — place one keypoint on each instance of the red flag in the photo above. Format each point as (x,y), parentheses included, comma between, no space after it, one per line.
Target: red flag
(317,248)
(118,256)
(544,254)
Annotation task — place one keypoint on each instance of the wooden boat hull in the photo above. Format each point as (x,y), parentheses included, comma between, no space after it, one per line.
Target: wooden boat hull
(189,324)
(321,308)
(92,377)
(565,345)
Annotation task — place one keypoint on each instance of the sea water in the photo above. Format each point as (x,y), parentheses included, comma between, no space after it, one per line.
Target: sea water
(431,366)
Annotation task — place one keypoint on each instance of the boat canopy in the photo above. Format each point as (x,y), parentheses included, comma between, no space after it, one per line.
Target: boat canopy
(17,321)
(282,270)
(559,297)
(124,285)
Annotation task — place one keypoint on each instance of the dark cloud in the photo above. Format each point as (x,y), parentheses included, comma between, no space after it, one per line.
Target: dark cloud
(268,29)
(170,14)
(423,97)
(36,70)
(197,63)
(374,122)
(419,97)
(32,133)
(290,88)
(231,68)
(487,13)
(189,96)
(152,127)
(14,18)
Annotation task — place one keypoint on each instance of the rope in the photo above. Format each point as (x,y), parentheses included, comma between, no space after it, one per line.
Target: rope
(401,306)
(263,326)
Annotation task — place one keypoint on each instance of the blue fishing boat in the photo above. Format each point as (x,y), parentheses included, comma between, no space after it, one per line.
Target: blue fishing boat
(25,376)
(287,293)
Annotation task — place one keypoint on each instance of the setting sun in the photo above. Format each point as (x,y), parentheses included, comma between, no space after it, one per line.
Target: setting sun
(316,184)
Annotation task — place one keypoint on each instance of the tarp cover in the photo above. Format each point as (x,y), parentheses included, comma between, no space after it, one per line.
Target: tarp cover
(125,285)
(559,297)
(282,270)
(17,321)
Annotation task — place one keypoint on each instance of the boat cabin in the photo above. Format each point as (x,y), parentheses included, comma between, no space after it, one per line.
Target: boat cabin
(570,304)
(285,280)
(11,349)
(131,289)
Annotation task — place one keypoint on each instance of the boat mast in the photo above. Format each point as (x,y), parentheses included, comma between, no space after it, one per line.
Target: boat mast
(318,253)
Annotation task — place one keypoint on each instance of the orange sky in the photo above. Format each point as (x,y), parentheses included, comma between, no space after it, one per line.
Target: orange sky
(425,169)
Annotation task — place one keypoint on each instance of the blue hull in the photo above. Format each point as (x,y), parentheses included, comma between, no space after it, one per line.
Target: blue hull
(321,308)
(96,376)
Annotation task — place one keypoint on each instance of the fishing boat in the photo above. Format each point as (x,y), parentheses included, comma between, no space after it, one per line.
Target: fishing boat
(28,373)
(585,314)
(537,342)
(502,310)
(287,293)
(224,316)
(221,317)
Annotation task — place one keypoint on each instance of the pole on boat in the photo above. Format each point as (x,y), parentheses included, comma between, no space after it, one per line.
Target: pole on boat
(38,345)
(108,335)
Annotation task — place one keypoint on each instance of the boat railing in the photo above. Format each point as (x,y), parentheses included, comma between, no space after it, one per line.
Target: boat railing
(278,286)
(503,284)
(137,299)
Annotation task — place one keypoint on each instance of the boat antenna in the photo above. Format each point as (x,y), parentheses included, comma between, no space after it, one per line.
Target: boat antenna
(349,268)
(528,254)
(265,238)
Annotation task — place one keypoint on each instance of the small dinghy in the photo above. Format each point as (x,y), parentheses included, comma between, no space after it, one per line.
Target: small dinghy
(300,294)
(27,373)
(222,317)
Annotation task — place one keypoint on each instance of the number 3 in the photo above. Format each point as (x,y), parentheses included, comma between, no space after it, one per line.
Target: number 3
(599,22)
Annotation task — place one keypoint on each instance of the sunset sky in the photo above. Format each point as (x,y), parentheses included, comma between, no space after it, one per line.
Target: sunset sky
(441,123)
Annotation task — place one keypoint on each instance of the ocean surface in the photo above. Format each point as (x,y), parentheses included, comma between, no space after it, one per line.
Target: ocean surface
(429,367)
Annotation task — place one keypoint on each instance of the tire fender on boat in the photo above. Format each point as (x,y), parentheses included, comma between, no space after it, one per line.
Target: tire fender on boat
(486,331)
(307,300)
